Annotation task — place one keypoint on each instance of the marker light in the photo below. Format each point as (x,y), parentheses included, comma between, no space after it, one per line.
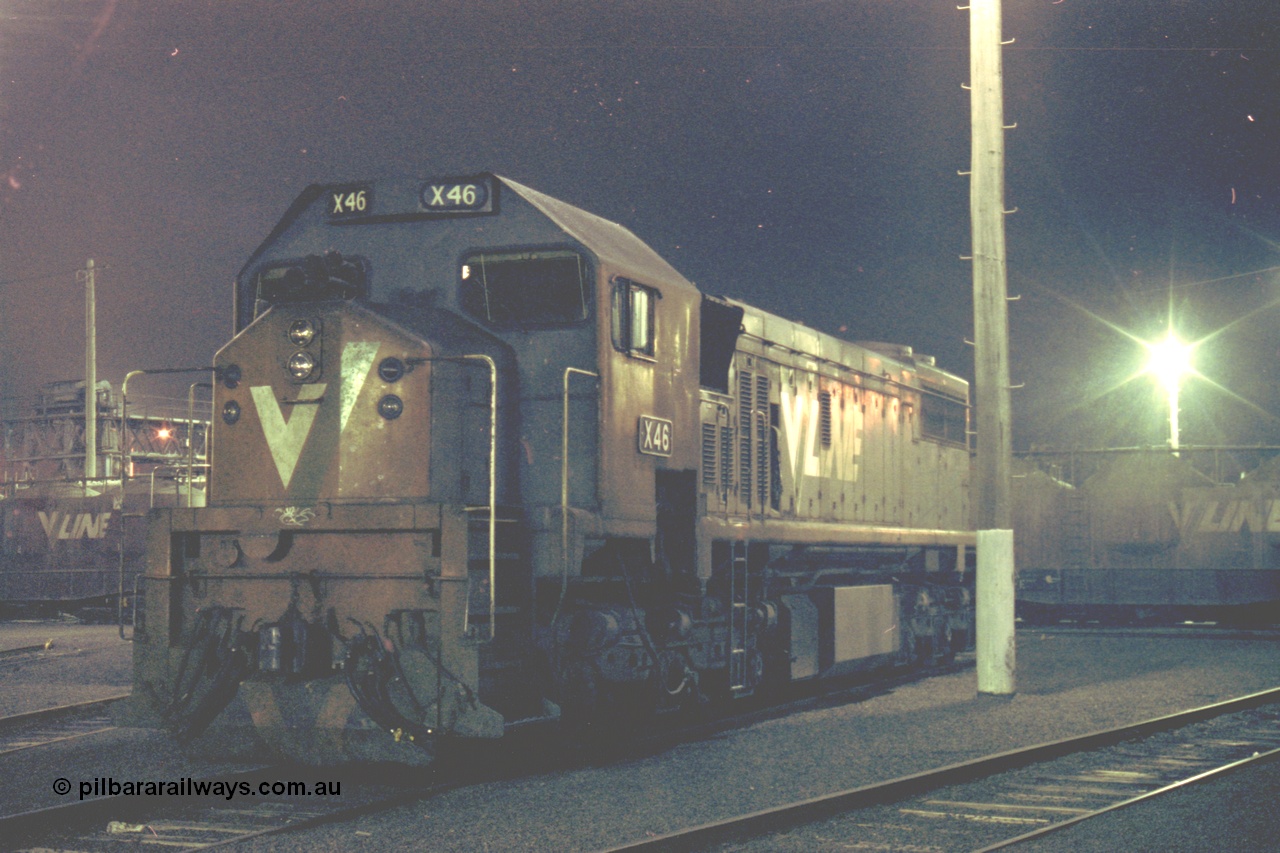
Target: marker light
(230,375)
(391,369)
(301,365)
(390,407)
(230,412)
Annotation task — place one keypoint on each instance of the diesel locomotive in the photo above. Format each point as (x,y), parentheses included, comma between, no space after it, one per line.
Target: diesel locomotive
(480,457)
(1148,537)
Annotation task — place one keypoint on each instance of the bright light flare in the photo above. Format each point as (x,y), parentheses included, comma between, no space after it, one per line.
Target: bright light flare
(1170,360)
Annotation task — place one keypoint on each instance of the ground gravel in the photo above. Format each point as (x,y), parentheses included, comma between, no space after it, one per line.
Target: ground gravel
(80,663)
(1065,686)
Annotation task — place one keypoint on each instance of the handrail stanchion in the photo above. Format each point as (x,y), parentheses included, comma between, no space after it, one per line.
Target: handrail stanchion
(493,489)
(124,472)
(564,487)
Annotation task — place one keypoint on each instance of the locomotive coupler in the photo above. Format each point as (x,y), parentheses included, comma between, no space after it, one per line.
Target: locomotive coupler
(294,647)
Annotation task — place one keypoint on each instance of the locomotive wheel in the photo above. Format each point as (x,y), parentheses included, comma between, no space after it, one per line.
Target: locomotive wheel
(946,647)
(673,674)
(911,650)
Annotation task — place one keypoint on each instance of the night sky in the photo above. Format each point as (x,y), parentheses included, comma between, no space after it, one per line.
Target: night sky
(801,156)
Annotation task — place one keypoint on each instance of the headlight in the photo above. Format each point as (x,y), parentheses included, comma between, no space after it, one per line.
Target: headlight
(230,412)
(302,332)
(301,365)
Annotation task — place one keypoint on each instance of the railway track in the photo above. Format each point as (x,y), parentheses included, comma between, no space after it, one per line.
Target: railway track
(186,813)
(106,822)
(996,801)
(24,655)
(53,725)
(253,803)
(1196,630)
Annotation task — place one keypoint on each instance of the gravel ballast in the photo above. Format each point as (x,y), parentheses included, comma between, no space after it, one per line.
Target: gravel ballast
(1066,685)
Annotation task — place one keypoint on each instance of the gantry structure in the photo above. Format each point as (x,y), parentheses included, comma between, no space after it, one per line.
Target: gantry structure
(42,438)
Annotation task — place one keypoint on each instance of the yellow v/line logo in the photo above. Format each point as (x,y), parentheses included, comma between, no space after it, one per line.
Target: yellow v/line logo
(285,437)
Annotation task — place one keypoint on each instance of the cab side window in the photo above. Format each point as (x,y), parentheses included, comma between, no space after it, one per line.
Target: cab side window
(944,419)
(634,319)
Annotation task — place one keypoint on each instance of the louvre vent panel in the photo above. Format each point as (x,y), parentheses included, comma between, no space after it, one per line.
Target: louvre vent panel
(746,385)
(824,417)
(708,454)
(726,454)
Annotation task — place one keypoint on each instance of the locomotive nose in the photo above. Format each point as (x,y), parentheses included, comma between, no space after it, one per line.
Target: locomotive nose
(328,586)
(322,401)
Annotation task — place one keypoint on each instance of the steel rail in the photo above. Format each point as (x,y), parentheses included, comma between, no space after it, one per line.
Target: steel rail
(1193,631)
(18,651)
(338,815)
(83,819)
(791,815)
(72,816)
(44,714)
(1256,758)
(34,729)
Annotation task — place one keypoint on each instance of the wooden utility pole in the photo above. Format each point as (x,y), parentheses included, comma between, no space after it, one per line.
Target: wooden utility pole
(992,501)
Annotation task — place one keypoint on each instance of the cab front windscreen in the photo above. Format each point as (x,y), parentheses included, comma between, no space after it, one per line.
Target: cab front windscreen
(522,290)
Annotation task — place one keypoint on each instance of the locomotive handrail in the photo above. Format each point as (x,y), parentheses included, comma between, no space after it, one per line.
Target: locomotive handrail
(493,495)
(124,464)
(564,486)
(191,445)
(175,471)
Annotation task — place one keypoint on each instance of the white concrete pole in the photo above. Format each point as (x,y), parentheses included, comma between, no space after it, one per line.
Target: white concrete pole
(90,376)
(994,450)
(996,647)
